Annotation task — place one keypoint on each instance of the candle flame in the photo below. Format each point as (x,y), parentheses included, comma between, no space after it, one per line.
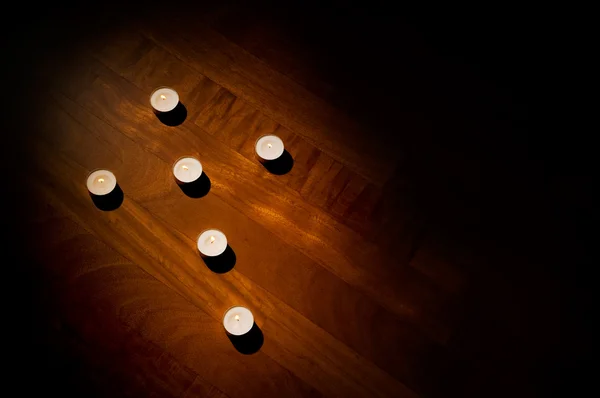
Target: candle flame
(162,96)
(237,317)
(184,167)
(212,239)
(269,145)
(101,180)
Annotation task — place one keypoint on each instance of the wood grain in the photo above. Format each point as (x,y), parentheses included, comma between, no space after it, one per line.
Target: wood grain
(355,262)
(237,124)
(361,265)
(286,102)
(323,259)
(182,278)
(307,286)
(110,284)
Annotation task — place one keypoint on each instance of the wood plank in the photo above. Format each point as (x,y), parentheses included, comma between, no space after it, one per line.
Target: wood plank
(238,125)
(232,120)
(319,179)
(171,258)
(280,98)
(313,292)
(121,361)
(100,279)
(270,40)
(363,214)
(146,67)
(325,182)
(321,238)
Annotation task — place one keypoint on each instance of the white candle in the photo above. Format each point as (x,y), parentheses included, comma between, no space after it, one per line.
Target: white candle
(212,242)
(238,321)
(269,147)
(164,99)
(187,169)
(101,182)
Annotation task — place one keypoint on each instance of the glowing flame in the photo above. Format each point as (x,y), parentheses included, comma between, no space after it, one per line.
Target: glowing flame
(100,180)
(212,239)
(237,317)
(184,167)
(270,146)
(163,97)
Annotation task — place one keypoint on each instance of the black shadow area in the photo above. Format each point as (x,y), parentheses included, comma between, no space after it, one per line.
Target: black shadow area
(281,165)
(250,342)
(222,263)
(109,202)
(198,188)
(174,117)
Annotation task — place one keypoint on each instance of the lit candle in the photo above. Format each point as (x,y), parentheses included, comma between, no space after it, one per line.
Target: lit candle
(164,99)
(238,321)
(187,169)
(101,182)
(269,147)
(212,242)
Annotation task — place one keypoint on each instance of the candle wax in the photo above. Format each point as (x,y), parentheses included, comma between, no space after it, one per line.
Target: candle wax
(269,147)
(212,242)
(164,99)
(238,320)
(187,169)
(101,182)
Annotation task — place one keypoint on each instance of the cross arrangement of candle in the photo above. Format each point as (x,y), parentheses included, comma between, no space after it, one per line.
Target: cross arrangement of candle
(187,169)
(212,243)
(238,321)
(101,182)
(268,148)
(164,99)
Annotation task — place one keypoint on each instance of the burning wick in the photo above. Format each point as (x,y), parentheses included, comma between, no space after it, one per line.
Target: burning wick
(237,317)
(184,167)
(212,240)
(269,145)
(163,97)
(100,180)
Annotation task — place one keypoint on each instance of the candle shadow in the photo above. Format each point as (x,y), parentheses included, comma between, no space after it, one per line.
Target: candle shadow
(222,263)
(250,342)
(174,117)
(110,201)
(281,165)
(196,189)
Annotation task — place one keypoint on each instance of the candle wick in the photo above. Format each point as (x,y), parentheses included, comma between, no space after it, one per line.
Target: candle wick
(163,97)
(237,317)
(184,167)
(212,239)
(269,145)
(101,180)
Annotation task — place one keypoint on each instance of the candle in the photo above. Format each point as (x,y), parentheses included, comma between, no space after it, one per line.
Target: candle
(269,147)
(101,182)
(212,242)
(164,99)
(238,321)
(187,169)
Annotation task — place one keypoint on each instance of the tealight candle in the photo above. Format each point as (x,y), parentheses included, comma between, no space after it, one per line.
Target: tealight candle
(269,147)
(187,169)
(212,242)
(101,182)
(238,320)
(164,99)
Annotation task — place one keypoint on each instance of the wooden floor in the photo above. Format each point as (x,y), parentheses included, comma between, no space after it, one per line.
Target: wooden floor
(406,254)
